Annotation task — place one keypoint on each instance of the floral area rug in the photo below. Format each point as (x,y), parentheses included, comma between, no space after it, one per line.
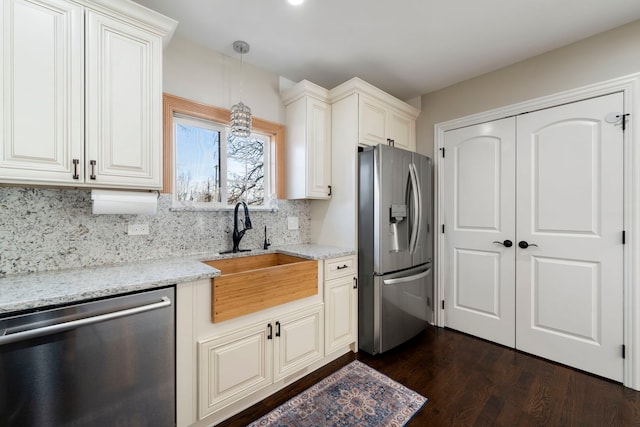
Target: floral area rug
(356,395)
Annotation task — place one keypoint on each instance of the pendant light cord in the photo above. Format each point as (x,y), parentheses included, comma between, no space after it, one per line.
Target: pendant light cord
(241,76)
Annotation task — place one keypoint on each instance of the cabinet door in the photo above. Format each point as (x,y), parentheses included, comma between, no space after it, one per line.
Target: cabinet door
(123,111)
(298,341)
(42,91)
(232,367)
(341,305)
(402,130)
(372,122)
(318,149)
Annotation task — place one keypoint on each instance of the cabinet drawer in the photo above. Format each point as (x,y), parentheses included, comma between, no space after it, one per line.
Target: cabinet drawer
(338,267)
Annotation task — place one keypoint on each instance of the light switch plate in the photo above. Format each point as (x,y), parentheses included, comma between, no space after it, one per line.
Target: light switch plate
(292,222)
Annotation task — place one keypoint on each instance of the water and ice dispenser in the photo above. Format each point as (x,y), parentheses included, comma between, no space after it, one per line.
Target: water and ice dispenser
(398,228)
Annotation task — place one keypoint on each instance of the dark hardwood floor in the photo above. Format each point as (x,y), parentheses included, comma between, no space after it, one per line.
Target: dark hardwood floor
(471,382)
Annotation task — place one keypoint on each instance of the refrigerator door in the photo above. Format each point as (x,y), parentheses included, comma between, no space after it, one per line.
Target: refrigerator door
(405,304)
(423,250)
(395,212)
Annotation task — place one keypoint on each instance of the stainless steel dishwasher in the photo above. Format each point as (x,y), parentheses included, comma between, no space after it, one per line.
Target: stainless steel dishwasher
(109,362)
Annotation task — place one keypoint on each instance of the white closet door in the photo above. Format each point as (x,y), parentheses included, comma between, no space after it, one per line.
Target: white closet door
(569,203)
(479,210)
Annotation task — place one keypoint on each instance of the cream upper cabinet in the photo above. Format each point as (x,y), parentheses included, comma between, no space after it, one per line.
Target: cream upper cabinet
(379,123)
(402,130)
(42,91)
(308,141)
(123,104)
(382,118)
(81,93)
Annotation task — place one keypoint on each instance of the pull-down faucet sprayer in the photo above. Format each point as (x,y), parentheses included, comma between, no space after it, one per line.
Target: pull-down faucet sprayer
(246,225)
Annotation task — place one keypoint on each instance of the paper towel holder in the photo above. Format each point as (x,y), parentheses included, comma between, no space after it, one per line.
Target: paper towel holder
(118,202)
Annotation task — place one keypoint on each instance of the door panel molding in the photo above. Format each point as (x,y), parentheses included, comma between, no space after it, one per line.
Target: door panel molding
(630,87)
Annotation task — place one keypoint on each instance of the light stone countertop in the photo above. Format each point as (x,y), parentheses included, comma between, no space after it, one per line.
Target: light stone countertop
(31,291)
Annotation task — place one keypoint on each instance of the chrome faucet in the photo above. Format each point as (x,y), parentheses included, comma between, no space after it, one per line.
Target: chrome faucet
(246,225)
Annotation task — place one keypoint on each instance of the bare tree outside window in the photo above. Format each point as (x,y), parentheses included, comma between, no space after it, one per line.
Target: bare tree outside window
(245,170)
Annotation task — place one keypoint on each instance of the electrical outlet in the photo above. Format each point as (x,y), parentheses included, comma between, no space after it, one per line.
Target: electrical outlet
(292,222)
(137,229)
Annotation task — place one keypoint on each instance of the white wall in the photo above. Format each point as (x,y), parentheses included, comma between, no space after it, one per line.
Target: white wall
(611,54)
(194,72)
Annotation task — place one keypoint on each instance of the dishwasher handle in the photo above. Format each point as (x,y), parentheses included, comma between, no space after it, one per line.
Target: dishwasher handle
(66,326)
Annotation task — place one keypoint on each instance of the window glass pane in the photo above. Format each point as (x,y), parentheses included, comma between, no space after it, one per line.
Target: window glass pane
(245,169)
(197,163)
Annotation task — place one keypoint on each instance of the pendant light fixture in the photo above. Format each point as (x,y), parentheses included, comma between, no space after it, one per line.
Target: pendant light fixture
(240,113)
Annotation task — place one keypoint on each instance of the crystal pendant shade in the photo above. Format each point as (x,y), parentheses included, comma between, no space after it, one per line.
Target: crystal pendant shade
(240,114)
(240,120)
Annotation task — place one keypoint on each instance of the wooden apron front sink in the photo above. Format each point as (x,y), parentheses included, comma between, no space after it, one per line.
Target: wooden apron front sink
(252,283)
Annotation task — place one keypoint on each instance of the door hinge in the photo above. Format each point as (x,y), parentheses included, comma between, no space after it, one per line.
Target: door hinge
(624,351)
(442,228)
(443,304)
(442,149)
(624,121)
(624,237)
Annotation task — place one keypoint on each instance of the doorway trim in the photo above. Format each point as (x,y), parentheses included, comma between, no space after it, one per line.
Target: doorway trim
(630,87)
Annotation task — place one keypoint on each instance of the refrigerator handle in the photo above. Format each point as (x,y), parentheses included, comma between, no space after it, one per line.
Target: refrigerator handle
(408,278)
(417,201)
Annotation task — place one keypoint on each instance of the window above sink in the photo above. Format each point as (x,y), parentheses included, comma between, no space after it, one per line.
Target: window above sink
(206,168)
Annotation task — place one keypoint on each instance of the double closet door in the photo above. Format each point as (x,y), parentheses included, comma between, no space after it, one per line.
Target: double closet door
(534,233)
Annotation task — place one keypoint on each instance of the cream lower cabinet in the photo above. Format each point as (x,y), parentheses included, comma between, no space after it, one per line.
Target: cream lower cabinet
(81,87)
(233,366)
(341,303)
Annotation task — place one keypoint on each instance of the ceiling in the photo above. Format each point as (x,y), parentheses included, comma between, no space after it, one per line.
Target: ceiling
(404,47)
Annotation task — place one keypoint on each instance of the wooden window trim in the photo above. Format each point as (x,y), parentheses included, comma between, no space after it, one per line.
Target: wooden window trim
(172,105)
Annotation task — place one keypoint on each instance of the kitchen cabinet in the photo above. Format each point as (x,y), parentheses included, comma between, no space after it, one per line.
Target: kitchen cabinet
(81,93)
(380,123)
(341,303)
(361,114)
(308,141)
(236,365)
(376,116)
(298,341)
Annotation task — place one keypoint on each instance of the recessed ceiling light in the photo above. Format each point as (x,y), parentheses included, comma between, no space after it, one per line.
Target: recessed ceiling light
(295,2)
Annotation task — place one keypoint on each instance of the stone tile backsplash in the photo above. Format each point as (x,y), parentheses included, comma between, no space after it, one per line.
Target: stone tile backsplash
(51,229)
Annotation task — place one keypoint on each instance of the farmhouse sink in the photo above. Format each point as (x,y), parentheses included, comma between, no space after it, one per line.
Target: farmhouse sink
(252,283)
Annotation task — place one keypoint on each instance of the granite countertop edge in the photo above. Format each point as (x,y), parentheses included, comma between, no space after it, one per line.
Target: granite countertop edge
(30,291)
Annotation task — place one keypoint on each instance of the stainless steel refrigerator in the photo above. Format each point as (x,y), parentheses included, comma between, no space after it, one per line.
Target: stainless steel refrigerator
(395,250)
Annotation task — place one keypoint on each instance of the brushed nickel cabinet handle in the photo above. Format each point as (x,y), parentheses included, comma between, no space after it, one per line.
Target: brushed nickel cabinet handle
(93,169)
(76,162)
